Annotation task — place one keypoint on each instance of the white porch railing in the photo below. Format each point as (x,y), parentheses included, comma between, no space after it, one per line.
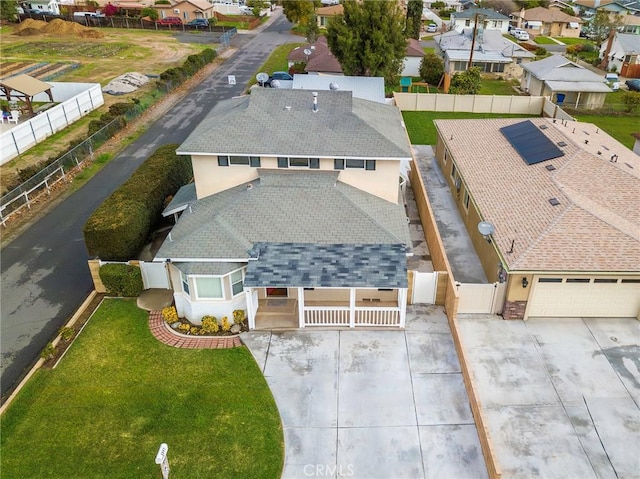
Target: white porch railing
(326,316)
(377,316)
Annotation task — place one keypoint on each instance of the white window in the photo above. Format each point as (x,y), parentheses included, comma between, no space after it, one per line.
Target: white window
(237,285)
(465,199)
(185,283)
(286,162)
(208,287)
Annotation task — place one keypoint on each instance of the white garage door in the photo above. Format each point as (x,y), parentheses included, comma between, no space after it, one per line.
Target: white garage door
(582,297)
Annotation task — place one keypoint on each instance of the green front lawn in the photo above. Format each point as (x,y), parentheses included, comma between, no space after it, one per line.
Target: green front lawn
(276,62)
(575,41)
(118,394)
(540,40)
(422,131)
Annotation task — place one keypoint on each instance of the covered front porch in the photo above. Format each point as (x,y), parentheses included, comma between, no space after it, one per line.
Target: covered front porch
(304,285)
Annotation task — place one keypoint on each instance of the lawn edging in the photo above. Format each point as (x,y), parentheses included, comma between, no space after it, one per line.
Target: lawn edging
(158,326)
(85,304)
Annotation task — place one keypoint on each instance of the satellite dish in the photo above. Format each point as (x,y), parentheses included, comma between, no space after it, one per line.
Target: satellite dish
(307,51)
(275,83)
(334,86)
(262,77)
(485,228)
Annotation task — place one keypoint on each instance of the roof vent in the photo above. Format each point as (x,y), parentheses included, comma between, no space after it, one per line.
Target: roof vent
(554,202)
(562,144)
(550,167)
(334,86)
(315,101)
(288,107)
(249,186)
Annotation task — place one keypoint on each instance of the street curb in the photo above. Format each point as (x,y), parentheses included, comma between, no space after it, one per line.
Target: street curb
(41,361)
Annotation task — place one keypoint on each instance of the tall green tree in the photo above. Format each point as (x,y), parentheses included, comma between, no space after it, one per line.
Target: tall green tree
(8,10)
(368,39)
(299,11)
(414,19)
(431,68)
(466,82)
(311,29)
(603,23)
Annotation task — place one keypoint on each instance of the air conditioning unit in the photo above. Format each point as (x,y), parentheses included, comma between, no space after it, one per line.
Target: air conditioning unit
(176,10)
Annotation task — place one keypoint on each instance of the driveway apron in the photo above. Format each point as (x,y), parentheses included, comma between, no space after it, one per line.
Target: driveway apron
(371,404)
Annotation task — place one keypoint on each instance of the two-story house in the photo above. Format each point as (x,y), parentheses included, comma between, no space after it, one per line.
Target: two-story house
(296,207)
(487,18)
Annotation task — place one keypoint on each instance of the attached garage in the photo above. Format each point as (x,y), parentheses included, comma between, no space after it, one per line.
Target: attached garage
(584,297)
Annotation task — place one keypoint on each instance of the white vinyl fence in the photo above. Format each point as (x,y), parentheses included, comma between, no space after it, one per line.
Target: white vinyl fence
(76,100)
(481,298)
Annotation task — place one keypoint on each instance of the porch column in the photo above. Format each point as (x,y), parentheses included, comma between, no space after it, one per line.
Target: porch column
(301,307)
(352,307)
(402,304)
(251,309)
(578,99)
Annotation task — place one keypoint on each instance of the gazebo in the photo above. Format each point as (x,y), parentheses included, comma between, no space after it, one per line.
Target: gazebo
(24,87)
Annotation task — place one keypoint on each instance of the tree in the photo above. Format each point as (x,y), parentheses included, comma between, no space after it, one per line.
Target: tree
(311,29)
(431,68)
(256,7)
(466,83)
(8,10)
(602,24)
(414,19)
(368,39)
(109,10)
(150,12)
(299,11)
(506,7)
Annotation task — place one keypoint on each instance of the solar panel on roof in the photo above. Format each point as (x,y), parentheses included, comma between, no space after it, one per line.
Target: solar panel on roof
(530,142)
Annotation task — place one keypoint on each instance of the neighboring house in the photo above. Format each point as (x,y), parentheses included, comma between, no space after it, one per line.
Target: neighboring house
(548,22)
(590,7)
(296,210)
(621,7)
(187,10)
(365,88)
(624,54)
(319,59)
(630,24)
(564,81)
(492,52)
(636,144)
(490,19)
(43,6)
(560,5)
(448,4)
(561,199)
(323,14)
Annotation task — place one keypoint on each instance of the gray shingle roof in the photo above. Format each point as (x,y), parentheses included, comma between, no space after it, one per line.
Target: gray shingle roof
(330,266)
(557,67)
(490,14)
(181,200)
(284,207)
(630,42)
(279,122)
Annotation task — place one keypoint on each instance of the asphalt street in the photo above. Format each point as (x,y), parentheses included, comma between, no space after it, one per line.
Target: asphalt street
(44,271)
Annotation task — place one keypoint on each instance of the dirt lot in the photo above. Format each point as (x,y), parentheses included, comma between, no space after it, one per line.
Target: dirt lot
(118,51)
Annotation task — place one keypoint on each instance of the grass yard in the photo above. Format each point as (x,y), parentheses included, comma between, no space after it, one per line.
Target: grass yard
(540,40)
(277,61)
(118,393)
(575,41)
(422,131)
(496,87)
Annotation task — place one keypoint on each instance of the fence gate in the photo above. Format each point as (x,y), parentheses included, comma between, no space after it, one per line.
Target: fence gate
(155,275)
(424,288)
(481,298)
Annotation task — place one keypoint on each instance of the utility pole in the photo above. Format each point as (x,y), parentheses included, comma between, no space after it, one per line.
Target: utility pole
(473,38)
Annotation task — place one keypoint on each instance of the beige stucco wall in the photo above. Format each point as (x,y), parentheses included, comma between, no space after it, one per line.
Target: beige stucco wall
(211,178)
(532,85)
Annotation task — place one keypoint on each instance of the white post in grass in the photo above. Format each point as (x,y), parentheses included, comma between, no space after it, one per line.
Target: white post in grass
(163,461)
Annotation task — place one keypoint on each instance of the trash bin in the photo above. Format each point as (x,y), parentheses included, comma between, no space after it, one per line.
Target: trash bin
(560,98)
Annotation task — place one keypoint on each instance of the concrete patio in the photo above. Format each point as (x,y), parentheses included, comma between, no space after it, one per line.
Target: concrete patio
(371,404)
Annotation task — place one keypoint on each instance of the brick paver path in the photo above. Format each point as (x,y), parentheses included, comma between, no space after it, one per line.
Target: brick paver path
(163,333)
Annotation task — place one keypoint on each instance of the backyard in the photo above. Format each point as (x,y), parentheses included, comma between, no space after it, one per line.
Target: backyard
(118,394)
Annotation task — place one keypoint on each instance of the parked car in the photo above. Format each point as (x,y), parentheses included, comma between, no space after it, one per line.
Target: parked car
(170,21)
(633,85)
(199,22)
(432,28)
(278,76)
(520,35)
(611,78)
(246,10)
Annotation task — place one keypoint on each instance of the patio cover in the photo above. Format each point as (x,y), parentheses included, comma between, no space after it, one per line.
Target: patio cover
(307,265)
(581,86)
(486,57)
(25,87)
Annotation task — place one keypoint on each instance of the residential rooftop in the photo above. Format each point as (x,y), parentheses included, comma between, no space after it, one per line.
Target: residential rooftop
(594,226)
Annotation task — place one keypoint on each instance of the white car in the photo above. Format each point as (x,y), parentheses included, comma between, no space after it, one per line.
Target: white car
(520,34)
(433,28)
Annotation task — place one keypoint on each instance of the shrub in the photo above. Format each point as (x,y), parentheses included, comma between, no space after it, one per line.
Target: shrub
(226,324)
(466,83)
(184,327)
(48,352)
(121,279)
(239,316)
(588,47)
(194,330)
(149,12)
(431,68)
(631,101)
(66,333)
(119,227)
(541,52)
(175,76)
(210,324)
(170,314)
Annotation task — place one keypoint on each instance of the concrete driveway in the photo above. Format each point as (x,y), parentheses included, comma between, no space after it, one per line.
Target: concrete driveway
(561,396)
(371,404)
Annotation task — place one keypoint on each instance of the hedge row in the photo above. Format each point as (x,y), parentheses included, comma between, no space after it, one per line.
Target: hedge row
(121,279)
(119,228)
(175,76)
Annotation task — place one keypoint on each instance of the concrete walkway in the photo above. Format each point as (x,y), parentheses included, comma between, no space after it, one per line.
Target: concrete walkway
(371,403)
